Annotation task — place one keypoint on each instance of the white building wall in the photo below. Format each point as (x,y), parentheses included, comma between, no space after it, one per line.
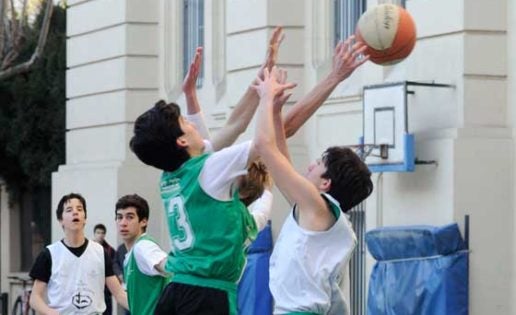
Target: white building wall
(467,129)
(112,58)
(511,121)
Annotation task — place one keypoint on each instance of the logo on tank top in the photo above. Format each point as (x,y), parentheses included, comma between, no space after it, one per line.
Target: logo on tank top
(170,186)
(83,297)
(81,300)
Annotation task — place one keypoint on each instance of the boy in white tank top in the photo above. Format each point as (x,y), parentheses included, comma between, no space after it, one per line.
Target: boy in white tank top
(316,240)
(70,274)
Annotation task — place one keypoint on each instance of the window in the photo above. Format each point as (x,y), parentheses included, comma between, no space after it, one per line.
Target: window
(401,3)
(347,13)
(193,33)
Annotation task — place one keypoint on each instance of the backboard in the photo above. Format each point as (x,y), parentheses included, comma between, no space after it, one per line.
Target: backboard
(386,128)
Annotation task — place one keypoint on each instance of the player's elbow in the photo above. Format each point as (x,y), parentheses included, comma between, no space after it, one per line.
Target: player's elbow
(289,130)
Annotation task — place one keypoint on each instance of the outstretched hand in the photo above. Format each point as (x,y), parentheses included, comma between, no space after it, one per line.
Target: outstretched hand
(272,51)
(190,81)
(269,86)
(347,57)
(281,98)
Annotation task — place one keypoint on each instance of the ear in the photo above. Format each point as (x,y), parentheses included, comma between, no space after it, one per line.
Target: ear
(182,142)
(143,223)
(325,185)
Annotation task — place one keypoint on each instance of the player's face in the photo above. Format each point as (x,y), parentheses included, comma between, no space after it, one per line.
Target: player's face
(193,138)
(74,217)
(128,224)
(315,171)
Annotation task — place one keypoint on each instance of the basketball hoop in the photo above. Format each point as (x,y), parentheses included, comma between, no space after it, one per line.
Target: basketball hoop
(363,150)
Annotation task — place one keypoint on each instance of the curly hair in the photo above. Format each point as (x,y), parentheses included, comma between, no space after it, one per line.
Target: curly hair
(253,184)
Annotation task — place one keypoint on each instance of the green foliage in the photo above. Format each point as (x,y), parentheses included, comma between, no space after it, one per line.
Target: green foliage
(32,111)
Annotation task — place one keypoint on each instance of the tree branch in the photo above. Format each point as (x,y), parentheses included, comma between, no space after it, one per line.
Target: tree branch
(24,67)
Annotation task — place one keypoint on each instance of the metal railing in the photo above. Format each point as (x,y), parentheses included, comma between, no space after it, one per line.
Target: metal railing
(357,263)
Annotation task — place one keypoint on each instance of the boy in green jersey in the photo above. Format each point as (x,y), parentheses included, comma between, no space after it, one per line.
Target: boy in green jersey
(208,225)
(144,262)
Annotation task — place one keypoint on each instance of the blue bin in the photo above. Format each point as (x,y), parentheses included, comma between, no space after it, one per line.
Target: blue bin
(420,270)
(254,296)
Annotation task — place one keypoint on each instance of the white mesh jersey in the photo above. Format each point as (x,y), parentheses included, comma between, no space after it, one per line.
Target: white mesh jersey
(306,266)
(76,285)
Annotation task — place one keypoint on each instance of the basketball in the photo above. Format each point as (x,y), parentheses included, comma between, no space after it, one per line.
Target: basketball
(388,31)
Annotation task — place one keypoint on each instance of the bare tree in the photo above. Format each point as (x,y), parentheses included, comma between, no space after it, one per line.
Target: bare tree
(13,30)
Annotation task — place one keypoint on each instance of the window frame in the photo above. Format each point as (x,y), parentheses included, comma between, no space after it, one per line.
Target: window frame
(193,34)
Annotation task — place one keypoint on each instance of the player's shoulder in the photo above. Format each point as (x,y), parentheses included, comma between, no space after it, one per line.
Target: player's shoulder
(144,245)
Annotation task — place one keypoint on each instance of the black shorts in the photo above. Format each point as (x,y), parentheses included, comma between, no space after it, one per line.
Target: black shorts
(185,299)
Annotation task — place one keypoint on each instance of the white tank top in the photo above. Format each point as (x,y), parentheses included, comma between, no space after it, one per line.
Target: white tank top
(76,285)
(306,267)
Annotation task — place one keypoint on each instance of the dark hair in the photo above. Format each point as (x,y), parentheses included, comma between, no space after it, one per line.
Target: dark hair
(350,177)
(100,226)
(64,199)
(252,185)
(140,204)
(155,135)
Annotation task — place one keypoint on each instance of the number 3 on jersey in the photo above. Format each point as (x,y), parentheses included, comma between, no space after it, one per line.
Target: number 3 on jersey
(183,237)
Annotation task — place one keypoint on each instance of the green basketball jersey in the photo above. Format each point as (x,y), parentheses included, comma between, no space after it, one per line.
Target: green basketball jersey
(143,291)
(208,236)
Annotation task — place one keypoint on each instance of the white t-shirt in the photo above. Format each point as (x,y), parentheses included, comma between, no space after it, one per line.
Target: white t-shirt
(305,267)
(222,169)
(147,255)
(261,208)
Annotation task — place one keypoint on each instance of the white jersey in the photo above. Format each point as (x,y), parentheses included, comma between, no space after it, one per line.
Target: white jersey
(76,284)
(306,266)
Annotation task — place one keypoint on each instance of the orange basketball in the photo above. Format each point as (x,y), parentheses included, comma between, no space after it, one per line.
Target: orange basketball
(388,31)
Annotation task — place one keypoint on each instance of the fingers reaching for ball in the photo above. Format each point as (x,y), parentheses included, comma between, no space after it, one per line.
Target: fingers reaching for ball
(348,56)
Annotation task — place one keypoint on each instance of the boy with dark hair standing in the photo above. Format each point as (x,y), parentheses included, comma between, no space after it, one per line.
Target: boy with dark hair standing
(99,236)
(145,260)
(72,272)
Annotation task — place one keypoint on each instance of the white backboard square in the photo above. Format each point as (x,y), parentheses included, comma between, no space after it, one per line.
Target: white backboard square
(385,121)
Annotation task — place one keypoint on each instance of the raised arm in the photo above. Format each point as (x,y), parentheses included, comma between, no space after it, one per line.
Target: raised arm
(190,84)
(279,128)
(246,106)
(295,188)
(345,61)
(193,108)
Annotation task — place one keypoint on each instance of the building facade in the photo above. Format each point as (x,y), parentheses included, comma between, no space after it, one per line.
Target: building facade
(123,55)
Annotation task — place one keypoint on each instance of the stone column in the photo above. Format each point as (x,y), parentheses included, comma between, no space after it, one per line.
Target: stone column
(112,77)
